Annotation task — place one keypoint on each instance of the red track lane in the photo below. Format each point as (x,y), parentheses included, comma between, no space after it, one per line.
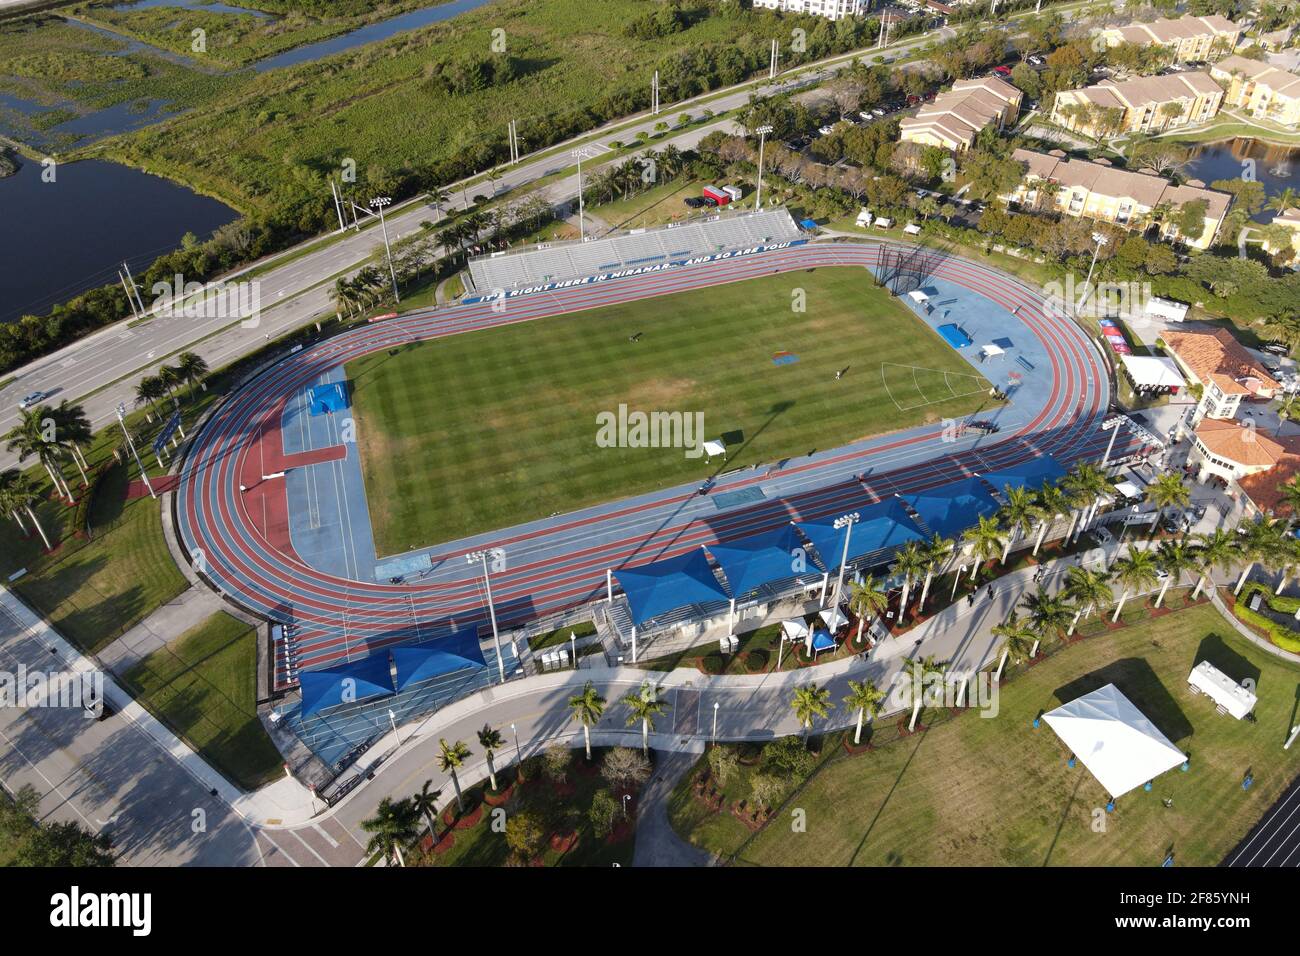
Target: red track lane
(231,530)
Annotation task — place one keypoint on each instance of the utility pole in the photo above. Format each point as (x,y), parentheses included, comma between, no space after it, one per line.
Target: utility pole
(134,313)
(772,63)
(134,288)
(762,138)
(338,205)
(121,419)
(654,94)
(379,202)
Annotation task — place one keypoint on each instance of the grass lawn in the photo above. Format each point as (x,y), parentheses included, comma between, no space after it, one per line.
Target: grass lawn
(202,685)
(660,205)
(482,430)
(92,592)
(997,792)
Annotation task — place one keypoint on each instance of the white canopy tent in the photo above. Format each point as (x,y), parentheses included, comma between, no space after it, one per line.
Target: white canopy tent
(1151,373)
(795,629)
(1115,740)
(1222,689)
(714,446)
(991,351)
(833,618)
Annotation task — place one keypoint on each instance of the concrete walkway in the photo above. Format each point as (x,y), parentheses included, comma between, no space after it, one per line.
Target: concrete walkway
(657,844)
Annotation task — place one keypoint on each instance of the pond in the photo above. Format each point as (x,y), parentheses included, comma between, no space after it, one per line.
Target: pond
(1276,167)
(66,236)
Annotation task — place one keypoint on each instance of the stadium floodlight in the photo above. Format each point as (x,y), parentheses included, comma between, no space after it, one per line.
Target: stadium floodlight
(762,132)
(379,202)
(121,418)
(581,153)
(1100,241)
(482,556)
(846,522)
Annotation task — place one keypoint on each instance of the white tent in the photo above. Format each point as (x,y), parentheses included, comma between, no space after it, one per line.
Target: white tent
(1115,741)
(912,229)
(991,351)
(833,619)
(795,629)
(714,446)
(917,296)
(1222,689)
(1148,372)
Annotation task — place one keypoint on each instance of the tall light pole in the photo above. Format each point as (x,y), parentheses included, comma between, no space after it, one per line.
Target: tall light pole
(121,418)
(845,522)
(715,723)
(519,754)
(379,202)
(492,612)
(762,139)
(580,154)
(392,719)
(1100,240)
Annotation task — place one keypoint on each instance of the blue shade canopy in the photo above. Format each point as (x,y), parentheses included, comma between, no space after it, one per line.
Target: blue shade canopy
(328,397)
(760,559)
(884,526)
(444,656)
(655,589)
(348,683)
(950,509)
(1032,473)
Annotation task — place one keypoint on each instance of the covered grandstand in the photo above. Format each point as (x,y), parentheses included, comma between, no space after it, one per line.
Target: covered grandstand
(556,261)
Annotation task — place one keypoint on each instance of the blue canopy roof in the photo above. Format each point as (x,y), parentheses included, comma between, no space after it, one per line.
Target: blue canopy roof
(455,652)
(1033,473)
(760,559)
(654,589)
(950,509)
(883,526)
(348,683)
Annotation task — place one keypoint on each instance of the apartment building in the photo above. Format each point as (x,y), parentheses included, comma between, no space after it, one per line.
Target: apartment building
(1094,189)
(1192,39)
(1225,371)
(955,118)
(1141,104)
(1290,220)
(830,9)
(1263,91)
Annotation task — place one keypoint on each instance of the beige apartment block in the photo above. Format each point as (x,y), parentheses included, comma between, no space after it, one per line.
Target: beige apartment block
(956,117)
(1191,39)
(1144,104)
(1290,220)
(1263,91)
(1097,190)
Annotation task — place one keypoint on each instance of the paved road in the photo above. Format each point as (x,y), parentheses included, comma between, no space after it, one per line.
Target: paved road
(102,370)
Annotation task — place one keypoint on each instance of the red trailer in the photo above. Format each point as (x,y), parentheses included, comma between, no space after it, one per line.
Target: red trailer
(720,196)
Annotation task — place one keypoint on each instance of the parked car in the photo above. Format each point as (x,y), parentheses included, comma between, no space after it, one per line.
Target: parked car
(708,201)
(29,400)
(865,114)
(1275,348)
(826,130)
(878,112)
(1002,70)
(694,202)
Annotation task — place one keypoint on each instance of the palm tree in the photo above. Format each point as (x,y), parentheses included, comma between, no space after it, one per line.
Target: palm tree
(490,739)
(1017,638)
(1049,615)
(1218,549)
(644,706)
(1089,590)
(1290,493)
(1284,200)
(1261,543)
(1053,502)
(1019,512)
(922,669)
(937,552)
(30,438)
(147,392)
(1174,557)
(426,803)
(192,369)
(808,703)
(986,542)
(1167,491)
(1136,571)
(72,429)
(909,562)
(1085,486)
(866,600)
(394,825)
(586,708)
(451,757)
(867,699)
(17,494)
(170,377)
(343,295)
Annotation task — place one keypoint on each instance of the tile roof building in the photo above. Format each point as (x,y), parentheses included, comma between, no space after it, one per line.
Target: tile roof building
(956,117)
(1190,38)
(1257,462)
(1097,190)
(1226,372)
(1141,104)
(1263,91)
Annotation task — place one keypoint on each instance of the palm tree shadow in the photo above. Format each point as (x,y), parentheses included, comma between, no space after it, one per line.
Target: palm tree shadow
(897,860)
(1065,815)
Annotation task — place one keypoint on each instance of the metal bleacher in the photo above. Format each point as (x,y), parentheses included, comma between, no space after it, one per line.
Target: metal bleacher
(552,262)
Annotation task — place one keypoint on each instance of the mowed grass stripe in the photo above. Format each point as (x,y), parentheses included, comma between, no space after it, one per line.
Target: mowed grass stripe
(487,429)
